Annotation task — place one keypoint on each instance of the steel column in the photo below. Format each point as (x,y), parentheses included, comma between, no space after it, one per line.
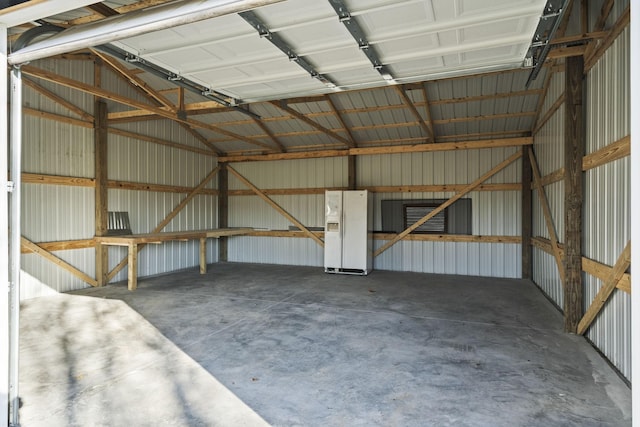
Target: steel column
(14,322)
(4,237)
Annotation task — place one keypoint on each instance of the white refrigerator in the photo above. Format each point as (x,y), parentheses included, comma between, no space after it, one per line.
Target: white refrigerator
(348,237)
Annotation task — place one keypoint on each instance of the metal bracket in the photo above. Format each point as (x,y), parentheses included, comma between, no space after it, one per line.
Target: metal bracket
(11,186)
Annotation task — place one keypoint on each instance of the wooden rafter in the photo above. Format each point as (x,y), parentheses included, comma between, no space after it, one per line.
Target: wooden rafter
(412,108)
(276,206)
(194,192)
(548,114)
(102,9)
(140,137)
(620,267)
(336,112)
(564,52)
(470,187)
(487,117)
(58,99)
(544,202)
(120,10)
(427,111)
(58,118)
(134,80)
(623,21)
(279,147)
(282,106)
(605,10)
(83,87)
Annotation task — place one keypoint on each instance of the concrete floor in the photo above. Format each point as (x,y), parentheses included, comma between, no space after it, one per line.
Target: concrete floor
(257,344)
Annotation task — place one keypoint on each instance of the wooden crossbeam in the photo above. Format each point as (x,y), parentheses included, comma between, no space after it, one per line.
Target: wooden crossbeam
(58,99)
(589,266)
(412,108)
(332,105)
(623,21)
(58,118)
(449,202)
(168,218)
(427,110)
(620,267)
(279,146)
(276,206)
(32,247)
(548,114)
(83,87)
(282,106)
(546,211)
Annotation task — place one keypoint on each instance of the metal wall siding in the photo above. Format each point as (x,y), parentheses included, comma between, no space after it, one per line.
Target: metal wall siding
(546,276)
(607,219)
(52,212)
(287,251)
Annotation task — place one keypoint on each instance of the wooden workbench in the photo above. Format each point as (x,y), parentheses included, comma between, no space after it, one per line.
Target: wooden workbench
(133,240)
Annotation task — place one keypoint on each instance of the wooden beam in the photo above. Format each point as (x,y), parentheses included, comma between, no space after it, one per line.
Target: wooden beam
(83,87)
(487,117)
(196,190)
(555,176)
(363,151)
(223,210)
(102,9)
(412,109)
(121,10)
(101,180)
(427,111)
(589,266)
(62,245)
(566,52)
(159,188)
(602,271)
(527,220)
(470,187)
(88,124)
(529,92)
(574,146)
(279,147)
(140,137)
(450,238)
(549,113)
(32,247)
(623,21)
(58,100)
(620,267)
(282,106)
(541,99)
(345,128)
(352,174)
(546,211)
(617,150)
(605,10)
(274,205)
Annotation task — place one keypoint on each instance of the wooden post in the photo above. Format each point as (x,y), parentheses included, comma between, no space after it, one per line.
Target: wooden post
(203,255)
(223,210)
(351,167)
(101,205)
(527,249)
(573,153)
(133,266)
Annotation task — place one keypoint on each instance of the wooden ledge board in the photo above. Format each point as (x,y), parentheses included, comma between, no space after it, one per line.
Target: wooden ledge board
(126,240)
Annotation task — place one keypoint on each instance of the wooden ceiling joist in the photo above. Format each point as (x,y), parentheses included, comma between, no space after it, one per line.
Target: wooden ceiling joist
(336,112)
(282,106)
(412,108)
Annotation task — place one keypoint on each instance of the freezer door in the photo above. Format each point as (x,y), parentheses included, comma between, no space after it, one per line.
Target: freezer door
(333,230)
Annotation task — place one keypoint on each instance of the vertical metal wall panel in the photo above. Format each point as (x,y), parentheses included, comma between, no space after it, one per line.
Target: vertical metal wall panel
(493,213)
(549,150)
(308,209)
(607,197)
(55,212)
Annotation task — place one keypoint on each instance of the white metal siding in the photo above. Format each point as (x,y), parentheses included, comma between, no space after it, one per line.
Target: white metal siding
(607,198)
(57,212)
(493,213)
(549,151)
